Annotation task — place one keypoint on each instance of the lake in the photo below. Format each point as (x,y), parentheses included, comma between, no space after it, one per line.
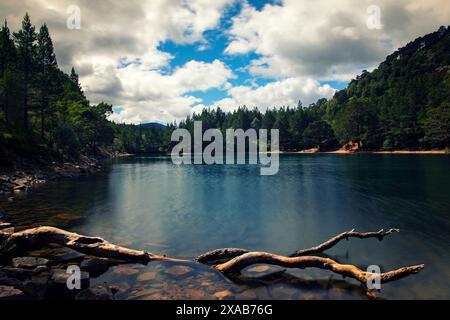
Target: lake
(183,211)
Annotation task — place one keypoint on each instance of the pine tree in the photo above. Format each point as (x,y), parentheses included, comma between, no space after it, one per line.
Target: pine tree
(7,70)
(75,80)
(26,44)
(47,67)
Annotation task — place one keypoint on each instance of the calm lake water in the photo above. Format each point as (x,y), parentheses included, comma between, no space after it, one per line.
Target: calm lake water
(148,203)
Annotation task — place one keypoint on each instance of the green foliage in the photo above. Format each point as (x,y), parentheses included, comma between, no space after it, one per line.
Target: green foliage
(437,126)
(319,134)
(403,104)
(393,106)
(44,112)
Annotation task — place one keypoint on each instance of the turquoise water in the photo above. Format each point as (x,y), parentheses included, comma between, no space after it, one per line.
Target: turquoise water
(183,211)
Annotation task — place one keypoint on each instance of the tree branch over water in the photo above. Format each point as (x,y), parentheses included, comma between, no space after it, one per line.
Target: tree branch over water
(241,262)
(344,235)
(12,244)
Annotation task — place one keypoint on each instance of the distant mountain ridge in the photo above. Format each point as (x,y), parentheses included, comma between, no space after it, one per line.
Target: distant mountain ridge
(153,125)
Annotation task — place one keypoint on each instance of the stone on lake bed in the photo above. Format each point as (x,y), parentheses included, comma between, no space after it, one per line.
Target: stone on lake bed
(148,276)
(179,271)
(65,218)
(247,295)
(206,283)
(29,262)
(10,293)
(260,269)
(282,292)
(125,271)
(195,294)
(98,292)
(226,294)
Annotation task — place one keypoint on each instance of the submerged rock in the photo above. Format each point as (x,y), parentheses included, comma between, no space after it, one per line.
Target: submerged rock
(148,276)
(259,269)
(179,271)
(97,292)
(65,219)
(125,271)
(10,293)
(226,294)
(195,294)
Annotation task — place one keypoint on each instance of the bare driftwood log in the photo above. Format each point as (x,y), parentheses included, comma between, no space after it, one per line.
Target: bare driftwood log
(344,235)
(220,254)
(230,253)
(13,243)
(241,262)
(42,236)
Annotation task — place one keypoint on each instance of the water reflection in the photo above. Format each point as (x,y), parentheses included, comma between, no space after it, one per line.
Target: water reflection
(148,203)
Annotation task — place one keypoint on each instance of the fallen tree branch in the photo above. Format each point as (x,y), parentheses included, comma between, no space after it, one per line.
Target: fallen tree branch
(241,262)
(10,244)
(345,235)
(14,243)
(220,254)
(225,254)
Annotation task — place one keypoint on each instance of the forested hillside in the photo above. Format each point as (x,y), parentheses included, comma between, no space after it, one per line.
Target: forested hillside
(403,104)
(45,116)
(44,113)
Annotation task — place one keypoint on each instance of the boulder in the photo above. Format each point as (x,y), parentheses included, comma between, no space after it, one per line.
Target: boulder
(29,262)
(10,293)
(95,266)
(57,284)
(17,273)
(71,256)
(35,288)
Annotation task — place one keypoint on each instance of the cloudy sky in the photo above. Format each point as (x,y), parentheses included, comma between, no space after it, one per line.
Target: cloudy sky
(160,60)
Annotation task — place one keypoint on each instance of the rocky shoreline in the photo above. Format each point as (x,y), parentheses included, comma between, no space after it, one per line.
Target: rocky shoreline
(36,278)
(27,176)
(31,277)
